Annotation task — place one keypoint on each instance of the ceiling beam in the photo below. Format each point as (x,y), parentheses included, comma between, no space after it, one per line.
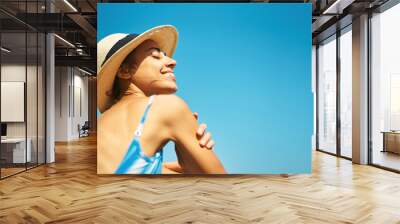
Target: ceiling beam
(81,61)
(86,26)
(337,6)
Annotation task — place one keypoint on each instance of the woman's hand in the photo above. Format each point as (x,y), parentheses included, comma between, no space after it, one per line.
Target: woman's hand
(203,137)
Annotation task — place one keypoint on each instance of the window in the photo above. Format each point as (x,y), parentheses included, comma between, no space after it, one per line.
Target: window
(346,92)
(327,95)
(385,88)
(23,77)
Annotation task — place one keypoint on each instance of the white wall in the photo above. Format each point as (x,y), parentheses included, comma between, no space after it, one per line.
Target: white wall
(61,103)
(71,93)
(80,102)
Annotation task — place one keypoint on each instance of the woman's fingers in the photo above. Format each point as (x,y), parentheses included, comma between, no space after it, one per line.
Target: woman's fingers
(196,115)
(210,144)
(200,131)
(205,139)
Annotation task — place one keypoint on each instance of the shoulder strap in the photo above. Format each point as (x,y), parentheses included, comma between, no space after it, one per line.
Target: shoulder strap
(138,131)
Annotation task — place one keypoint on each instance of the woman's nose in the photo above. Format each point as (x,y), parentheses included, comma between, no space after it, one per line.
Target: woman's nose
(171,62)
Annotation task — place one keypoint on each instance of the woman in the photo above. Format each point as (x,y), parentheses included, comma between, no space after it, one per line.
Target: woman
(140,114)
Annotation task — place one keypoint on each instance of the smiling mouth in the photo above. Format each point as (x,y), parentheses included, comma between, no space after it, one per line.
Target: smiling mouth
(169,75)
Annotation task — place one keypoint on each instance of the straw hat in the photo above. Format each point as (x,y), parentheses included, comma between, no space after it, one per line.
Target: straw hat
(114,48)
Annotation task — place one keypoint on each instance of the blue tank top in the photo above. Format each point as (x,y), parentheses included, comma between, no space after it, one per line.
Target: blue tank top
(135,161)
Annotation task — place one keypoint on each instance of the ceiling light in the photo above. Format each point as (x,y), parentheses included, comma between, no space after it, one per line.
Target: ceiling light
(5,50)
(80,51)
(70,5)
(65,41)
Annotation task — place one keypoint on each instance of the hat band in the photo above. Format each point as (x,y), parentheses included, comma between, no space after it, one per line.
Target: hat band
(118,45)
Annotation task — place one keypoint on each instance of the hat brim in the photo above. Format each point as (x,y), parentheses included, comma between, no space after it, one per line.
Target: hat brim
(165,36)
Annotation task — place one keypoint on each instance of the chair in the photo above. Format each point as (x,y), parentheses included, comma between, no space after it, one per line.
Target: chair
(84,130)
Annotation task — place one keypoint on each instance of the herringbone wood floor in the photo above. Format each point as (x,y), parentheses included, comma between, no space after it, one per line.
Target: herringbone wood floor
(69,191)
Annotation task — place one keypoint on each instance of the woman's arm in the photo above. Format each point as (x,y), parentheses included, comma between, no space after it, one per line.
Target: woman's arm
(182,126)
(172,168)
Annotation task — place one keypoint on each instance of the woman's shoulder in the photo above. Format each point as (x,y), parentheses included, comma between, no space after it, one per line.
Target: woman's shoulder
(171,104)
(171,107)
(171,101)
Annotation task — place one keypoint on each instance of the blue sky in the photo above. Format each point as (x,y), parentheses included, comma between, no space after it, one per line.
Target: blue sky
(245,68)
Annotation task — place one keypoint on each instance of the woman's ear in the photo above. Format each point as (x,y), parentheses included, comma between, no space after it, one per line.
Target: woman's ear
(124,72)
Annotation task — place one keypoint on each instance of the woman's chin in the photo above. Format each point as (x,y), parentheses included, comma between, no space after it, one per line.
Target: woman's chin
(173,90)
(168,90)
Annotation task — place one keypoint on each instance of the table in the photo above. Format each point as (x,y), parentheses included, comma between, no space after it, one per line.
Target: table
(391,141)
(15,148)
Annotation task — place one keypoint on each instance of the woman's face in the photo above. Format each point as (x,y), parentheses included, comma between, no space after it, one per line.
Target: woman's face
(153,71)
